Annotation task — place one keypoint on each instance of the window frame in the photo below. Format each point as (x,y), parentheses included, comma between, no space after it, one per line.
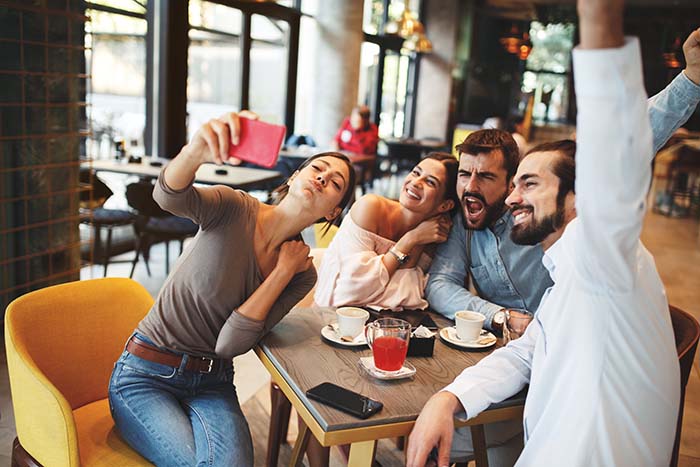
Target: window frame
(272,11)
(131,14)
(569,75)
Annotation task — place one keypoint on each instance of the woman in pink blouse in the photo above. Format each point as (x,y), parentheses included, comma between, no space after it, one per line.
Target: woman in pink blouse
(381,253)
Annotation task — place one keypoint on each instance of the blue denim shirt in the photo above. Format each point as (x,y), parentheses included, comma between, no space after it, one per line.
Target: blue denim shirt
(672,107)
(507,275)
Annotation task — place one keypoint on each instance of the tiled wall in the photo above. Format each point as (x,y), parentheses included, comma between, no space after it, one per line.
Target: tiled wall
(42,130)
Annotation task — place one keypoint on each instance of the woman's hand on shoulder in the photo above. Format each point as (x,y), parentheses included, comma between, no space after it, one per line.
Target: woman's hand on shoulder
(294,257)
(433,230)
(212,141)
(368,211)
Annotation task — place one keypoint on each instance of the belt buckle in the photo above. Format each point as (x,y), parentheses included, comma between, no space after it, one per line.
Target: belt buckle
(210,365)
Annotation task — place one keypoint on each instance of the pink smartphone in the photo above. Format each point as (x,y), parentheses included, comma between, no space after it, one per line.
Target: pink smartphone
(259,142)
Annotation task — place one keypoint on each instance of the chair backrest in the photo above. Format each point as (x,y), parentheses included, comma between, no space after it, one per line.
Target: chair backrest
(323,239)
(139,195)
(99,192)
(686,331)
(70,335)
(298,140)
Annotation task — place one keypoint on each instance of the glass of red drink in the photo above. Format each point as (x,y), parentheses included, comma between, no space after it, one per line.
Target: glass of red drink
(388,338)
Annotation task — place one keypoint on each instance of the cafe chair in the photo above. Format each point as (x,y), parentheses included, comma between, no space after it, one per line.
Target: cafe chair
(686,331)
(153,225)
(62,343)
(93,214)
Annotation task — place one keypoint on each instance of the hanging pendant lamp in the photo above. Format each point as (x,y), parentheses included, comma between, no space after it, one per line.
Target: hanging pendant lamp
(411,29)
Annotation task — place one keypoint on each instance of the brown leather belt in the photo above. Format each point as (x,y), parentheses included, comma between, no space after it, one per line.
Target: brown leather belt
(137,347)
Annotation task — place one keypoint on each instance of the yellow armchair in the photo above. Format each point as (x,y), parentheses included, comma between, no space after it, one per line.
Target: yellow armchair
(62,343)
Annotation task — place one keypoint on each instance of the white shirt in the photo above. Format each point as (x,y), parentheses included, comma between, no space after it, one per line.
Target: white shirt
(600,355)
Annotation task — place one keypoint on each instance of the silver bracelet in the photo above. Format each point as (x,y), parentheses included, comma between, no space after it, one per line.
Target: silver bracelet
(400,257)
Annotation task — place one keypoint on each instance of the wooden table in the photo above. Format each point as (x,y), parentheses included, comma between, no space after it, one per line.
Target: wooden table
(298,359)
(235,177)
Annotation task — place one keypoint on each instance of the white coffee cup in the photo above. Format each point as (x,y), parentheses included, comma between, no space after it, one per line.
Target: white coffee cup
(351,320)
(469,324)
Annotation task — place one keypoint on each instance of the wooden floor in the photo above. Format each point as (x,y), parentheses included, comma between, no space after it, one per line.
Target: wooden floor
(675,244)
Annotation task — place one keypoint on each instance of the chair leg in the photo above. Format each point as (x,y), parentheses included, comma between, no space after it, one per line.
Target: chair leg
(146,252)
(96,244)
(21,458)
(107,251)
(167,257)
(279,423)
(479,444)
(300,446)
(137,245)
(317,455)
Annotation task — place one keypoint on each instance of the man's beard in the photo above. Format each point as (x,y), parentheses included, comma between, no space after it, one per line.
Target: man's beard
(492,211)
(537,230)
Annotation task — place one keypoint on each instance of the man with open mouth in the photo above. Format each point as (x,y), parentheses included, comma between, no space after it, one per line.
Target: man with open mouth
(506,275)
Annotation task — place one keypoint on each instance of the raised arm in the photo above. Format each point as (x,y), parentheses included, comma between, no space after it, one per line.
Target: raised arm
(673,106)
(174,191)
(613,137)
(210,144)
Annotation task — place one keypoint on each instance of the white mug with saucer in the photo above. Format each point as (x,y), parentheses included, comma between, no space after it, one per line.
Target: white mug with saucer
(469,324)
(351,321)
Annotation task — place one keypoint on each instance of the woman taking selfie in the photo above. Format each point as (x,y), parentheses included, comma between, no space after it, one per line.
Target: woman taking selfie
(380,255)
(171,392)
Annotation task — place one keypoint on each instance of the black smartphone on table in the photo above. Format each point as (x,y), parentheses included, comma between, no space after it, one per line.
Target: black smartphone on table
(344,399)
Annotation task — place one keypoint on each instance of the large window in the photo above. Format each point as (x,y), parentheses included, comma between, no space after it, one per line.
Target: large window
(238,57)
(548,71)
(214,62)
(369,64)
(115,39)
(386,68)
(268,67)
(306,76)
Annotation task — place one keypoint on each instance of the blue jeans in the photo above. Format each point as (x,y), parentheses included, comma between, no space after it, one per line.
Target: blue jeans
(177,417)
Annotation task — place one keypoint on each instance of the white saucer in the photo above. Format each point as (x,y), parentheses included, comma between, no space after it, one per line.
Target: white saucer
(450,335)
(330,333)
(367,364)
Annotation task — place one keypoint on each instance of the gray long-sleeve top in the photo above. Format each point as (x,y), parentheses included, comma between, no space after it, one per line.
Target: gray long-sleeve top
(195,311)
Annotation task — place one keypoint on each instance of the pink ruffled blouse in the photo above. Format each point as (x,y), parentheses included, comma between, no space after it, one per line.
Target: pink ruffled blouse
(352,273)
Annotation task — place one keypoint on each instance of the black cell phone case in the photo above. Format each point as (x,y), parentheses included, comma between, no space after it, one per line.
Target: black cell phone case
(337,405)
